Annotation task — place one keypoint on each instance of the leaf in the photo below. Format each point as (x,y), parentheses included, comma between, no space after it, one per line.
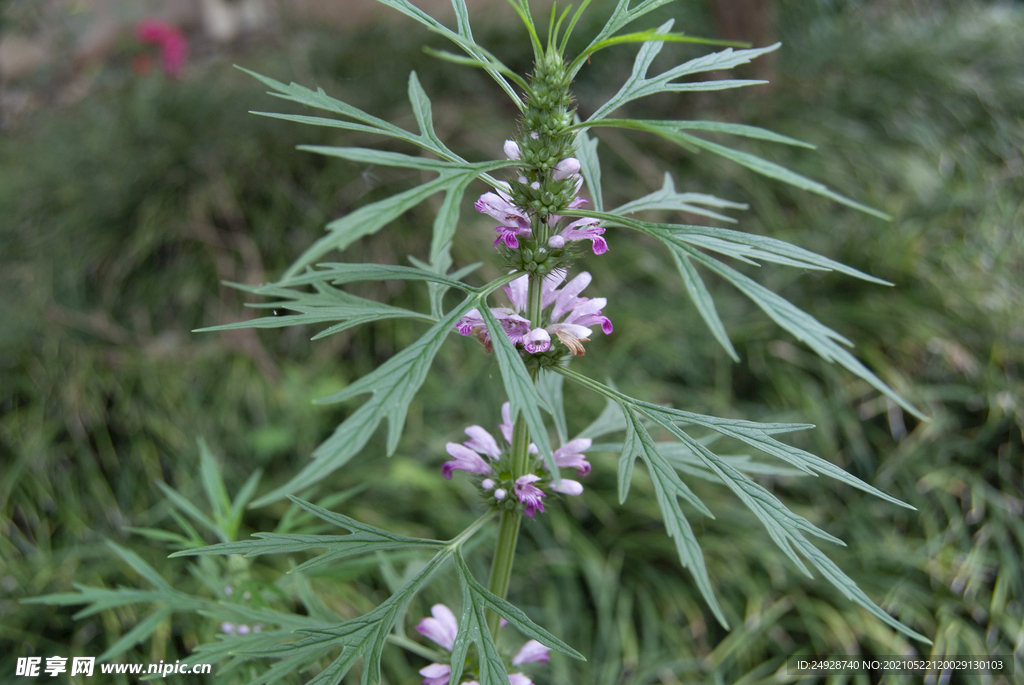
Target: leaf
(477,62)
(519,387)
(400,160)
(440,266)
(321,100)
(590,166)
(473,630)
(464,39)
(784,527)
(620,17)
(759,437)
(673,126)
(213,484)
(820,338)
(744,244)
(781,173)
(339,273)
(651,35)
(668,488)
(755,434)
(447,219)
(702,299)
(631,449)
(668,198)
(370,124)
(672,131)
(326,305)
(364,637)
(476,600)
(370,218)
(392,386)
(549,387)
(421,109)
(455,172)
(638,85)
(611,420)
(101,599)
(242,498)
(191,510)
(683,458)
(363,539)
(141,567)
(141,632)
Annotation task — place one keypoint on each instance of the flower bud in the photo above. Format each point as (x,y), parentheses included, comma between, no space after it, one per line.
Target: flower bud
(512,149)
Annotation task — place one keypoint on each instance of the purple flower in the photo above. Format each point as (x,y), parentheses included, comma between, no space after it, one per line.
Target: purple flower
(442,628)
(583,229)
(569,456)
(517,291)
(509,236)
(528,489)
(537,341)
(515,326)
(568,487)
(506,422)
(483,442)
(502,209)
(530,495)
(569,166)
(530,652)
(465,460)
(436,674)
(569,315)
(514,222)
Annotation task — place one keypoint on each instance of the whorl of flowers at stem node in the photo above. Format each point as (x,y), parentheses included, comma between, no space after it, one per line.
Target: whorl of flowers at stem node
(565,316)
(443,628)
(528,489)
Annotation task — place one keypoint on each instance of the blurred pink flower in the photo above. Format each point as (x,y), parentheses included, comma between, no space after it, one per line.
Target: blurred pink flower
(169,38)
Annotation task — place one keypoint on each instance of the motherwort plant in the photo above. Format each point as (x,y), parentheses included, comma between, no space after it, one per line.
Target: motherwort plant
(546,205)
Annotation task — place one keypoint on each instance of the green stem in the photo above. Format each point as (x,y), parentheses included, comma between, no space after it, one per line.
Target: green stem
(508,530)
(504,555)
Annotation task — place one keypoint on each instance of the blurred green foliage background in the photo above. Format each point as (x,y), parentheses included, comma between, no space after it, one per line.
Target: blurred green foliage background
(122,213)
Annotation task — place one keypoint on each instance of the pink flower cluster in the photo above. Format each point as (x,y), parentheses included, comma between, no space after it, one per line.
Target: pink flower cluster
(442,628)
(568,315)
(515,222)
(527,489)
(169,38)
